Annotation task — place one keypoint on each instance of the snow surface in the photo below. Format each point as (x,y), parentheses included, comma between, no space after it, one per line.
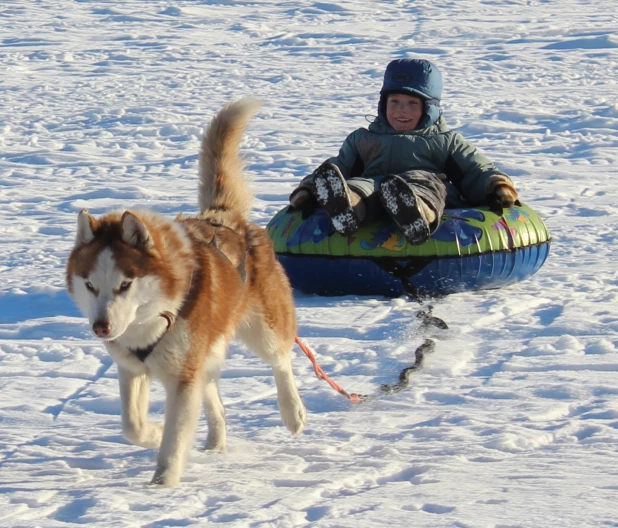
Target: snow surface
(514,420)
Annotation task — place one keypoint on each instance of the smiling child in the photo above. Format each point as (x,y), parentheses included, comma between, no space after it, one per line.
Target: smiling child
(407,164)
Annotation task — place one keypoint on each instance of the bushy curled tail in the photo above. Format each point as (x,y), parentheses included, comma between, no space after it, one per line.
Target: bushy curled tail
(222,184)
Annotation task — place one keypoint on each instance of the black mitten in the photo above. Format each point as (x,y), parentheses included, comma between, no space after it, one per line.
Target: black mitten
(303,200)
(502,196)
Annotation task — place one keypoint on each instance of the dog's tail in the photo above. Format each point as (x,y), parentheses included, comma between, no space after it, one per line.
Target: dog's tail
(222,184)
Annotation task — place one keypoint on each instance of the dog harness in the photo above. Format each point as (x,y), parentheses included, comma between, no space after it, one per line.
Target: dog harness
(241,268)
(144,352)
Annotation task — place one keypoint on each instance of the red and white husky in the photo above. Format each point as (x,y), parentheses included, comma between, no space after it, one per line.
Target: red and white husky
(167,296)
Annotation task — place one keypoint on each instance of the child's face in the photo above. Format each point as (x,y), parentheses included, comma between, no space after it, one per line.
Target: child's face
(403,112)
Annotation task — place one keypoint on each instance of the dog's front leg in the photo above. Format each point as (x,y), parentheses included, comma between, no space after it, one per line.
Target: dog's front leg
(292,410)
(134,397)
(215,415)
(182,410)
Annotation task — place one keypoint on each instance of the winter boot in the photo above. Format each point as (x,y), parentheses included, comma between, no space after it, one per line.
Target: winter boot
(345,208)
(405,209)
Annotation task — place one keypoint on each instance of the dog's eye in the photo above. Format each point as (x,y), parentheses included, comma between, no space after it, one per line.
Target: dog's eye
(124,286)
(89,286)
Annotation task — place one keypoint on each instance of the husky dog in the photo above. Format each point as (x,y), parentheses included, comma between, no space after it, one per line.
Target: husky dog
(167,296)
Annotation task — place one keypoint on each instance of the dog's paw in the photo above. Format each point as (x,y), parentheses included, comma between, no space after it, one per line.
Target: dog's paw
(215,445)
(165,478)
(294,414)
(149,435)
(215,450)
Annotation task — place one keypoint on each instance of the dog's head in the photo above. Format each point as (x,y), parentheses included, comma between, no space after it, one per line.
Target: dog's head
(114,272)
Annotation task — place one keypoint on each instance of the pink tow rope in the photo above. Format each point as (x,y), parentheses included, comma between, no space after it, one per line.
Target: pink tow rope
(354,398)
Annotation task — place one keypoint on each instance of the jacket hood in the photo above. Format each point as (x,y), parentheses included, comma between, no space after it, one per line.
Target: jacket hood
(417,77)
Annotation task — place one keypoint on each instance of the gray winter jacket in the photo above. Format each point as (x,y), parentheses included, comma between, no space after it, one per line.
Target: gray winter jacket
(468,175)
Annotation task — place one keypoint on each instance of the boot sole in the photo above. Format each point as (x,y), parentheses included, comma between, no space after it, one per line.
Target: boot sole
(332,195)
(400,203)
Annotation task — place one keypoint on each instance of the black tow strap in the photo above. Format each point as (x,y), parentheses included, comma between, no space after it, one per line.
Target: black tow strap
(427,319)
(403,271)
(404,376)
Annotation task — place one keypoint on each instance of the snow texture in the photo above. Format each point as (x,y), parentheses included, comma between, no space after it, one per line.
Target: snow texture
(513,422)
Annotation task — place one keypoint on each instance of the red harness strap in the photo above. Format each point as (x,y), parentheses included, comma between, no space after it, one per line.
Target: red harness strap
(355,398)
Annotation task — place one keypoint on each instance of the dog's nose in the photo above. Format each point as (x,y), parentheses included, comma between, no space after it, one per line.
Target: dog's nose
(102,328)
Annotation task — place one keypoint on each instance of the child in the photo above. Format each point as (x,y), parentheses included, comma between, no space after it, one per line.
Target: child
(407,163)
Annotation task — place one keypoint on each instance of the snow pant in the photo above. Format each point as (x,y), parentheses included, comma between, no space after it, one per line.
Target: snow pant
(426,186)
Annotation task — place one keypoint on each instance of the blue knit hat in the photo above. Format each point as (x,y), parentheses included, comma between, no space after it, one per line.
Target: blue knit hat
(417,77)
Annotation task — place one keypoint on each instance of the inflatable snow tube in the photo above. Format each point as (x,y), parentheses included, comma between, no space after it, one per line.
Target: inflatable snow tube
(472,249)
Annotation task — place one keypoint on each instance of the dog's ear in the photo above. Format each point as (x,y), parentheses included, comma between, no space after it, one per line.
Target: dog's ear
(86,225)
(134,232)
